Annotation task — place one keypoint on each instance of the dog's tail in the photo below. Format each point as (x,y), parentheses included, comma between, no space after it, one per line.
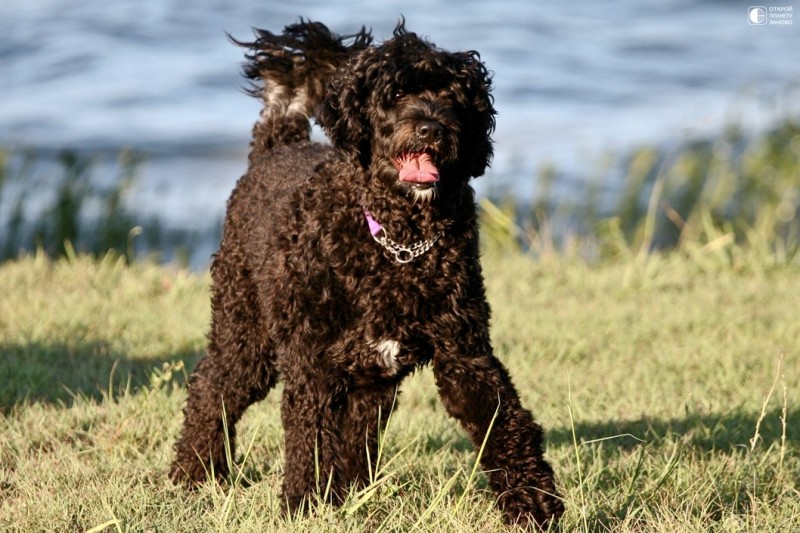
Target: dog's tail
(289,73)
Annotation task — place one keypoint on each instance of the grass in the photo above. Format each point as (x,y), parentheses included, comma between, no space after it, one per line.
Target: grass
(668,386)
(744,186)
(747,187)
(59,202)
(655,336)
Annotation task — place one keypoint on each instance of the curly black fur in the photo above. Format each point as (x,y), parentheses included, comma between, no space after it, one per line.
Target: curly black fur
(301,290)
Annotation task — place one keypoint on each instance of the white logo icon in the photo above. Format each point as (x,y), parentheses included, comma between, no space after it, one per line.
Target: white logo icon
(757,15)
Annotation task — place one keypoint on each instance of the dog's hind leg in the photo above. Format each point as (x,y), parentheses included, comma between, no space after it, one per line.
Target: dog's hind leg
(238,371)
(476,389)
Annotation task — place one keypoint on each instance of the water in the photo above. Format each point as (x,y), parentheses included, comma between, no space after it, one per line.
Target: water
(572,80)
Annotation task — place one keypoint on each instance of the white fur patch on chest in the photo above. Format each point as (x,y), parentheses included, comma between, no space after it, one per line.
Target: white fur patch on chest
(389,350)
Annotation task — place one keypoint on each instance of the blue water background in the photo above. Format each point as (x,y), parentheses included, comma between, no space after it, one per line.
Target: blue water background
(573,80)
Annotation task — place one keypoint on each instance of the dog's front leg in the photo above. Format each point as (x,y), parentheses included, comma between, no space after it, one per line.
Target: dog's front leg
(364,420)
(312,416)
(476,389)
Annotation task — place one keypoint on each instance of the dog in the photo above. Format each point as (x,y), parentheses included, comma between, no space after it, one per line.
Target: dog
(344,267)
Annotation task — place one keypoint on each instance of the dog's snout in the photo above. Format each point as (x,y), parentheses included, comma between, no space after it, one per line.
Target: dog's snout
(429,131)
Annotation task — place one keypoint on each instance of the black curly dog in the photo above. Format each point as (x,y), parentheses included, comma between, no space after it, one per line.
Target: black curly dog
(344,268)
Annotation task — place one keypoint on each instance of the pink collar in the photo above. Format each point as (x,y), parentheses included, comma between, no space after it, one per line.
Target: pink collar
(374,227)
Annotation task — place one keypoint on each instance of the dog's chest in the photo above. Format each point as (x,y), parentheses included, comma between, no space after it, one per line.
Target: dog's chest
(396,312)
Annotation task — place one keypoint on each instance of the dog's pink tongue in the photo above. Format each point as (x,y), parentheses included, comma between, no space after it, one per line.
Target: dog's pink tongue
(417,168)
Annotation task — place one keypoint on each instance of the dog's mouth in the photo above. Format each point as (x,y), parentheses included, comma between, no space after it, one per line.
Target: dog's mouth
(417,169)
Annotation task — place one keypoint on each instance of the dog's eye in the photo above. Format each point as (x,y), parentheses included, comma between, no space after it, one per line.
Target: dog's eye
(399,94)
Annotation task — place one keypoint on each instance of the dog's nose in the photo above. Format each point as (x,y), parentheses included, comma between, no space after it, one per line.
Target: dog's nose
(429,131)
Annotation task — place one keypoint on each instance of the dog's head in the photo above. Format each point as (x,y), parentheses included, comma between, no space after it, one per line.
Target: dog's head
(415,117)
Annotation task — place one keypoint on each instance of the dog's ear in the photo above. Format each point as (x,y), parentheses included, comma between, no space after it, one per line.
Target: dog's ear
(475,96)
(343,113)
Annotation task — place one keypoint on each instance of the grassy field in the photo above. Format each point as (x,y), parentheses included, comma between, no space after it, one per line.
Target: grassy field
(668,385)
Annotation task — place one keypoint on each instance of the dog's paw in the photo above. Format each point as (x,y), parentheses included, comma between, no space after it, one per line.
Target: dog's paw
(533,509)
(188,476)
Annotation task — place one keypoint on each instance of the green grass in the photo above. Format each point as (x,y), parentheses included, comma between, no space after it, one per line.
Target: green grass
(668,385)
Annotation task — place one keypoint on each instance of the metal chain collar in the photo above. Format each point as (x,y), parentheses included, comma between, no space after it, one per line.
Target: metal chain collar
(402,253)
